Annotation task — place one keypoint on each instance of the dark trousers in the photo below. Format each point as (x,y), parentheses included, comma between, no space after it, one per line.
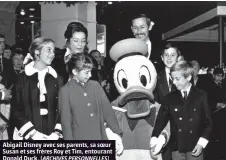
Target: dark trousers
(166,154)
(176,155)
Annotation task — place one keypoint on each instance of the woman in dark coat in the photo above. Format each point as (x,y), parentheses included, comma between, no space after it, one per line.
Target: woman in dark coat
(35,107)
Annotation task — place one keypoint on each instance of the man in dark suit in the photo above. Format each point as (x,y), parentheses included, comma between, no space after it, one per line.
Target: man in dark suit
(189,116)
(141,25)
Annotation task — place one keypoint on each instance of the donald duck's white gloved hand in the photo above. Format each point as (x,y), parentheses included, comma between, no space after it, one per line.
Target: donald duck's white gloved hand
(118,140)
(39,136)
(156,144)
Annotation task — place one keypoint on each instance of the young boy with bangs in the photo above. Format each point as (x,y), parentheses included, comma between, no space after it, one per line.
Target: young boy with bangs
(187,110)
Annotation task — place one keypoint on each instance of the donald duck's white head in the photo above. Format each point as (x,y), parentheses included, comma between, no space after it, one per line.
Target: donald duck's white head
(134,75)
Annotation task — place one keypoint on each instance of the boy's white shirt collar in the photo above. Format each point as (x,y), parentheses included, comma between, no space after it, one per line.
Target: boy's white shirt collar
(187,90)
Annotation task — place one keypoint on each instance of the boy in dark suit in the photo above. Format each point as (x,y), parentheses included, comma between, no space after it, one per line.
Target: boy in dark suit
(170,55)
(189,116)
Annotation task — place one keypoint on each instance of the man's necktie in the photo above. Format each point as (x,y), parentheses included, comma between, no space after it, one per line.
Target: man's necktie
(17,71)
(170,84)
(219,84)
(185,95)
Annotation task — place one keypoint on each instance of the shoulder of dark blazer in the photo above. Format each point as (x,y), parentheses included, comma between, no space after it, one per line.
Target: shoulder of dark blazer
(193,89)
(6,60)
(199,91)
(161,74)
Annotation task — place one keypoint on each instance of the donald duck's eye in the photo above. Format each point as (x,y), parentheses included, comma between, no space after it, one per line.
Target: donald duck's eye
(122,79)
(145,76)
(143,80)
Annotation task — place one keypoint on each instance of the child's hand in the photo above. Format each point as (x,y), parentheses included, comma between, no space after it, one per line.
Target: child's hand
(197,150)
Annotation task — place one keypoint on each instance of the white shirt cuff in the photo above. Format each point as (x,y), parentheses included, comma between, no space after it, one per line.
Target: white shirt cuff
(3,96)
(203,142)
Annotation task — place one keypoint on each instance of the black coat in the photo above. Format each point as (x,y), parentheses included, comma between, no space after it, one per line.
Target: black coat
(59,65)
(26,102)
(189,120)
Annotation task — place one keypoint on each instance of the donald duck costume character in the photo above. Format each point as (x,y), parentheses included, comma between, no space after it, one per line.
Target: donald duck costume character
(135,79)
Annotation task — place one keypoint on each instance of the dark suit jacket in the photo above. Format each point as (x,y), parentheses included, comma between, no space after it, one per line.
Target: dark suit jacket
(162,88)
(189,119)
(203,82)
(7,64)
(216,94)
(11,77)
(59,65)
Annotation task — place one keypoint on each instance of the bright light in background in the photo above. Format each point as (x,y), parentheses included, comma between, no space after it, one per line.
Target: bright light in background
(32,21)
(31,9)
(21,22)
(101,39)
(22,12)
(101,43)
(109,2)
(31,16)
